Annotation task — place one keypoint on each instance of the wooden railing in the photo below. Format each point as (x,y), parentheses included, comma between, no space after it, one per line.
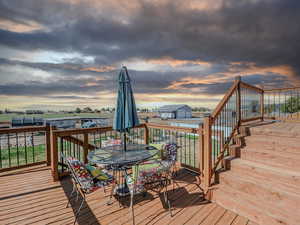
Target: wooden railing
(189,140)
(202,149)
(24,147)
(78,142)
(242,103)
(282,104)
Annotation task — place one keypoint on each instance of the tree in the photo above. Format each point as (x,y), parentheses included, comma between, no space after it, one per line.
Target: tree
(292,105)
(78,110)
(87,109)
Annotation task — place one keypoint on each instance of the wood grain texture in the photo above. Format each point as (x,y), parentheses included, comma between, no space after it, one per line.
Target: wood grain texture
(29,196)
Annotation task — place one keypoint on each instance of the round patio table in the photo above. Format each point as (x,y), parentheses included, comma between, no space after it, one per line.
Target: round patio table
(115,156)
(120,160)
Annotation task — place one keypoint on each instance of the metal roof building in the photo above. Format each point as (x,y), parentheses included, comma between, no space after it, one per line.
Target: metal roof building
(180,111)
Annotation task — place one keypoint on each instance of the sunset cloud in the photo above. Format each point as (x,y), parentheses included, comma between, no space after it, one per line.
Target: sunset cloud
(174,49)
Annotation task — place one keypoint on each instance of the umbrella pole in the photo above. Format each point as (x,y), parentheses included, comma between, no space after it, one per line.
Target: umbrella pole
(124,141)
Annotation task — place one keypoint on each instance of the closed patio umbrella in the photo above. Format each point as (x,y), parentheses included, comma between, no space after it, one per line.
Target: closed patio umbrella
(125,114)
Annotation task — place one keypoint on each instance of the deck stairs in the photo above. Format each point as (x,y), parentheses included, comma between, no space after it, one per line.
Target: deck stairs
(262,176)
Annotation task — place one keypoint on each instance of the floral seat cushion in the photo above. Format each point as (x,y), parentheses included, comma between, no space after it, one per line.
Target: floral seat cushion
(84,177)
(144,174)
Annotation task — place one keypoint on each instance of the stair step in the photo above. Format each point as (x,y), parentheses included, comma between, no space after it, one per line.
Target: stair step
(278,178)
(273,202)
(273,143)
(231,200)
(277,129)
(284,160)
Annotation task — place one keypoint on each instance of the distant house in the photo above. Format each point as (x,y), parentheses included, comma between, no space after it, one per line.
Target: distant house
(175,112)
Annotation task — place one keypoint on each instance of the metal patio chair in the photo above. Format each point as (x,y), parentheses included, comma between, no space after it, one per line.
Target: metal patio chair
(154,175)
(83,181)
(141,180)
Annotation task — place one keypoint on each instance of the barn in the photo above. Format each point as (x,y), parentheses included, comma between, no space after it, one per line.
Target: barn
(175,111)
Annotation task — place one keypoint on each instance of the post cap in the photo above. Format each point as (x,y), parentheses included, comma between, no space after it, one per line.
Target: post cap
(238,78)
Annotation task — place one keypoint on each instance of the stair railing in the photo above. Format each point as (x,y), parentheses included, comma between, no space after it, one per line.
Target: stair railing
(242,103)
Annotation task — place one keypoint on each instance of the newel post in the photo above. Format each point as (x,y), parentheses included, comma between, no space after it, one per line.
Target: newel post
(262,103)
(146,134)
(238,100)
(207,172)
(54,154)
(201,147)
(48,144)
(85,147)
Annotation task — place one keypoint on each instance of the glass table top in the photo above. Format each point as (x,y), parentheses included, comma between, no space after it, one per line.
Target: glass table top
(115,155)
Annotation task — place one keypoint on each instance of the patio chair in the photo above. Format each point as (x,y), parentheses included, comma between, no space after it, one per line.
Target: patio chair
(84,182)
(155,177)
(167,158)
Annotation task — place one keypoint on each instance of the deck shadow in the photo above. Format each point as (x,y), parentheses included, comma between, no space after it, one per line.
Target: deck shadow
(85,212)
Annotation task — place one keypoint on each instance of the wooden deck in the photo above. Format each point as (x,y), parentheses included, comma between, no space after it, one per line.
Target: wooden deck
(29,196)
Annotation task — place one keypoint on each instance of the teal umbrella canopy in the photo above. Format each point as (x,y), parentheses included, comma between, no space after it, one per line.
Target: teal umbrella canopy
(125,114)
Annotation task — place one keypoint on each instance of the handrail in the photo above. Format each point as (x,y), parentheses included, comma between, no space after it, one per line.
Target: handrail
(22,129)
(280,89)
(68,132)
(222,103)
(78,142)
(167,127)
(249,86)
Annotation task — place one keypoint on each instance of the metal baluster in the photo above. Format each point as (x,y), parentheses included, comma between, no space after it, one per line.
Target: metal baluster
(297,103)
(0,151)
(25,146)
(8,147)
(62,151)
(181,152)
(185,158)
(32,147)
(194,152)
(17,145)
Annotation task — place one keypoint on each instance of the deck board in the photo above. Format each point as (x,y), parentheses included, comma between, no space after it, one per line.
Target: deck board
(29,196)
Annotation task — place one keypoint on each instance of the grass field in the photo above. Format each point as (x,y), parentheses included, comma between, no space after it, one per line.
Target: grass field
(21,155)
(8,117)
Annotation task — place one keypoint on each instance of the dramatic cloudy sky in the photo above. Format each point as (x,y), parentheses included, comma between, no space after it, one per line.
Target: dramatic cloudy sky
(60,54)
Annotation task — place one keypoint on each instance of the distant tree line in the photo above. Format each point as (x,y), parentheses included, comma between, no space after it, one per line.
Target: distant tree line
(292,105)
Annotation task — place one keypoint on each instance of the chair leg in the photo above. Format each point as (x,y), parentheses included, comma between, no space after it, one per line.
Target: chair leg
(69,200)
(132,208)
(78,211)
(109,202)
(167,201)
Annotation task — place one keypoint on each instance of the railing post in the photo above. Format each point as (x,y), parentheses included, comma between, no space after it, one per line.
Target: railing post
(207,152)
(85,147)
(48,144)
(262,104)
(201,148)
(146,134)
(54,155)
(238,101)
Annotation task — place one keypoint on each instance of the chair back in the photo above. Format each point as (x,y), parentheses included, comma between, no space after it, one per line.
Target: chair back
(171,152)
(79,173)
